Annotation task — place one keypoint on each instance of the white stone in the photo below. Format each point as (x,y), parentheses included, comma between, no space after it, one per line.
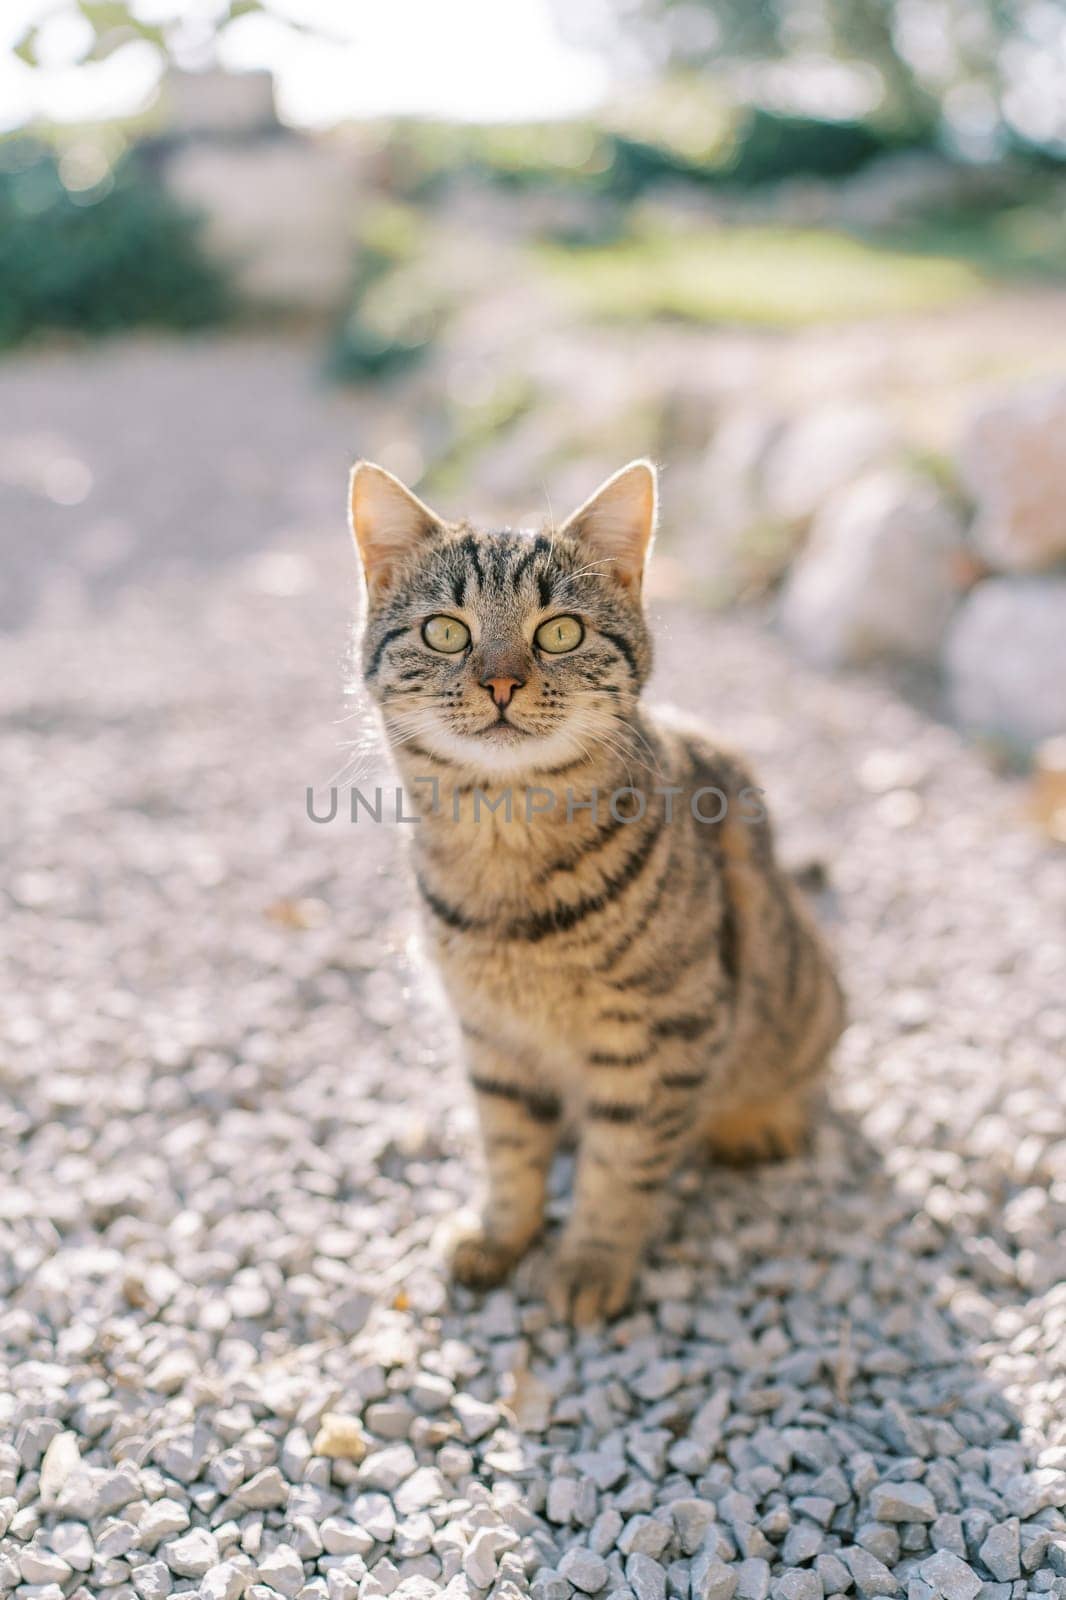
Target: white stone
(282,1569)
(1014,464)
(61,1459)
(822,452)
(193,1554)
(1006,660)
(226,1581)
(585,1570)
(875,579)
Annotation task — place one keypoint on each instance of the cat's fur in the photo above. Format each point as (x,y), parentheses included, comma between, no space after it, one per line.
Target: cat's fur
(651,980)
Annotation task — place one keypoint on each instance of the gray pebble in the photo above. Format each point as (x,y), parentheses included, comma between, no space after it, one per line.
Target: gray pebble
(585,1570)
(950,1576)
(871,1576)
(902,1502)
(797,1583)
(712,1579)
(753,1579)
(1001,1551)
(646,1577)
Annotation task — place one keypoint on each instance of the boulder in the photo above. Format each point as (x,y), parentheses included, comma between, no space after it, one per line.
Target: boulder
(875,580)
(822,452)
(1006,659)
(1014,463)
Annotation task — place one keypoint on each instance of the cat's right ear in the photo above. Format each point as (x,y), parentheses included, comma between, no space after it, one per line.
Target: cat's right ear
(387,520)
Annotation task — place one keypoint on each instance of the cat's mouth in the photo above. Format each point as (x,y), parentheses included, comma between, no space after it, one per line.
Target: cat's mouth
(502,728)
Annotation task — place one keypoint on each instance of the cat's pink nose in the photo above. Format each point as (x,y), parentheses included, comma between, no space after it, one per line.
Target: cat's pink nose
(502,689)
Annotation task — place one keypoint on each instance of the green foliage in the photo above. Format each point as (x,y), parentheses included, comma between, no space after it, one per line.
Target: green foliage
(115,255)
(771,146)
(396,308)
(763,276)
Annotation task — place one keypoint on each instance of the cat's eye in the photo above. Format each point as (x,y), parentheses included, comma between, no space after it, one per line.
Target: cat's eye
(446,634)
(559,635)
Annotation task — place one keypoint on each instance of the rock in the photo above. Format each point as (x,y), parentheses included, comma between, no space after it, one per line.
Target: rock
(340,1437)
(476,1418)
(283,1570)
(836,1579)
(871,1576)
(61,1458)
(647,1535)
(562,1500)
(691,1519)
(875,579)
(646,1577)
(376,1514)
(72,1541)
(343,1538)
(753,1579)
(431,1392)
(586,1571)
(191,1555)
(1014,466)
(1001,1551)
(227,1581)
(548,1585)
(43,1566)
(605,1530)
(712,1579)
(902,1502)
(386,1469)
(821,452)
(881,1540)
(798,1583)
(152,1581)
(479,1562)
(946,1534)
(950,1577)
(802,1543)
(266,1489)
(1005,660)
(162,1520)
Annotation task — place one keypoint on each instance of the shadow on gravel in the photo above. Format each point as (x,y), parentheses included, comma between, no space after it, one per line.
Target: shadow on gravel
(799,1340)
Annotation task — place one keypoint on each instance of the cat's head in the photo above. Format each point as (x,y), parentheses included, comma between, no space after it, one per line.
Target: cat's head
(505,652)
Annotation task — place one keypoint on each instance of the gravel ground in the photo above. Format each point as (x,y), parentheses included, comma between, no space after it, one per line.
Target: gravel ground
(234,1134)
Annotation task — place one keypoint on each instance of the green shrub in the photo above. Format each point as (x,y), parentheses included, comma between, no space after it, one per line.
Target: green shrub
(117,255)
(397,305)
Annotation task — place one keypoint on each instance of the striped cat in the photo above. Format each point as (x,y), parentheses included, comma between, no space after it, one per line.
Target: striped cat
(625,956)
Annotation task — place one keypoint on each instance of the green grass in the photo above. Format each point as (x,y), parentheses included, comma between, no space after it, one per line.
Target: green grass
(1020,241)
(762,276)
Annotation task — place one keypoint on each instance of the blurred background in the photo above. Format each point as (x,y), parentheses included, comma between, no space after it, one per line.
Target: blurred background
(809,254)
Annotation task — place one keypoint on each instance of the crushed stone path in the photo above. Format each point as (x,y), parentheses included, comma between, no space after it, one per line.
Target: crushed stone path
(233,1137)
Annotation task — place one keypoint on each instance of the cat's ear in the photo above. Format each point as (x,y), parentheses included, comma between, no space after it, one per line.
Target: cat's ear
(388,521)
(617,523)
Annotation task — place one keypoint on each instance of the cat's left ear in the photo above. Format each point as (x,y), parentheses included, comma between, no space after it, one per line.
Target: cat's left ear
(388,521)
(617,523)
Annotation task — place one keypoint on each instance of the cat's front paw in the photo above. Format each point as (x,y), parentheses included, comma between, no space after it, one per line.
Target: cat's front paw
(588,1286)
(480,1261)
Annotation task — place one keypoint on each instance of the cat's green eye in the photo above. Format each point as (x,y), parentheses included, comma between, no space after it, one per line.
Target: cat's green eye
(559,635)
(446,634)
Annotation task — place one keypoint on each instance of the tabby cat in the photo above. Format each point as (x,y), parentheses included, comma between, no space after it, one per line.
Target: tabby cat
(626,958)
